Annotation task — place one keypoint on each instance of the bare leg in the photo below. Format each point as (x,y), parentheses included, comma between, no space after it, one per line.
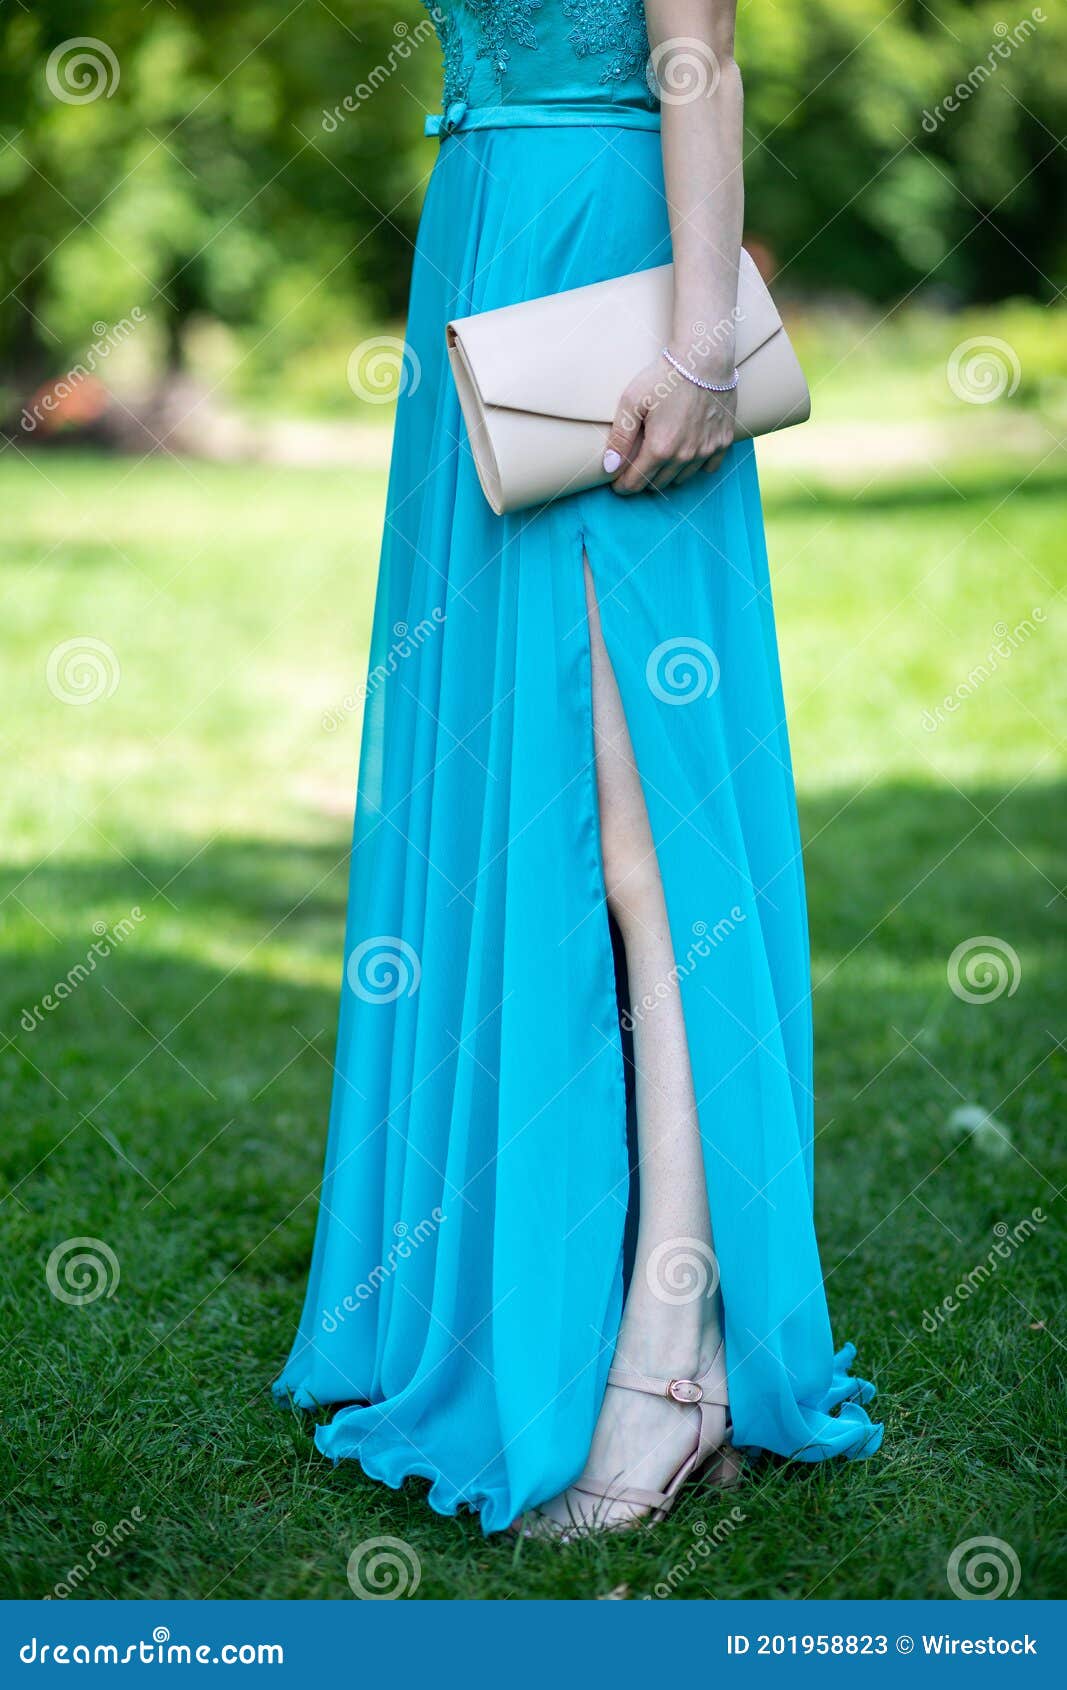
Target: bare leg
(671,1325)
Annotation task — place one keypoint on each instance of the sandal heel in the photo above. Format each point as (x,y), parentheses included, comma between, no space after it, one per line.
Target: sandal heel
(713,1459)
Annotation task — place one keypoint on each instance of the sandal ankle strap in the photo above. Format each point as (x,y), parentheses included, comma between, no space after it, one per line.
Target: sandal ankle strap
(679,1390)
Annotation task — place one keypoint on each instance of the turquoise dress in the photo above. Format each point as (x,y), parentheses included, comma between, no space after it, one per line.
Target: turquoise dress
(467,1278)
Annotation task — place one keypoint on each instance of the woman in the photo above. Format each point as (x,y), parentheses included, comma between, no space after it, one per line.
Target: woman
(574,727)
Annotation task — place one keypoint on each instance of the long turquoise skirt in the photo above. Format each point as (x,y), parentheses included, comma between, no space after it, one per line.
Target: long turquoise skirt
(466,1284)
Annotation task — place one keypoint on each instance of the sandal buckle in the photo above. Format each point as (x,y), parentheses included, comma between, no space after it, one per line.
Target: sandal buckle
(685,1390)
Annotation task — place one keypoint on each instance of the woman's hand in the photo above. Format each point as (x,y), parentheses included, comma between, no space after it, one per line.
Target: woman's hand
(667,430)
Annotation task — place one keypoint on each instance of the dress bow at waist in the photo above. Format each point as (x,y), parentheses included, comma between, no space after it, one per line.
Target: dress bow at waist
(559,115)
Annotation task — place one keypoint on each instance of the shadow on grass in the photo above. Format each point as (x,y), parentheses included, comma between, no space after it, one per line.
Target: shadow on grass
(962,484)
(176,1103)
(925,866)
(220,1005)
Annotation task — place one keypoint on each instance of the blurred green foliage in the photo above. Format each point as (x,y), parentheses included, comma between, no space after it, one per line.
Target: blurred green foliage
(862,174)
(216,174)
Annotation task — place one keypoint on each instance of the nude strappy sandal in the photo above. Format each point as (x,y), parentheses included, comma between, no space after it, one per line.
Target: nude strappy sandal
(714,1455)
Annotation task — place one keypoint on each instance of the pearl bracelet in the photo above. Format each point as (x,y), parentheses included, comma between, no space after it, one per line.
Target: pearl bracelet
(708,386)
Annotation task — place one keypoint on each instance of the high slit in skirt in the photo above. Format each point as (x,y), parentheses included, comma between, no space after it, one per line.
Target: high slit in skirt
(466,1283)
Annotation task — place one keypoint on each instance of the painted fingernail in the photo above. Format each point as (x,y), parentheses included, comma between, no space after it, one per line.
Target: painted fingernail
(612,460)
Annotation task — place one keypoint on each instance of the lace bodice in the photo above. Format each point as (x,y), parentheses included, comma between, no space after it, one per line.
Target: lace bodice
(543,52)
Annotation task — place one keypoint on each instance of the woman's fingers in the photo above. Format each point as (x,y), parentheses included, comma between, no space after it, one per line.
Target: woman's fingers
(625,431)
(638,475)
(680,468)
(669,475)
(649,469)
(690,471)
(658,436)
(709,464)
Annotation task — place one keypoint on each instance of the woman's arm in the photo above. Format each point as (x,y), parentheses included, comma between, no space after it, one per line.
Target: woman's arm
(667,429)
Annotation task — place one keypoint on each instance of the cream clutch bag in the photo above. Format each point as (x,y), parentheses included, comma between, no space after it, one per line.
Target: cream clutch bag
(539,382)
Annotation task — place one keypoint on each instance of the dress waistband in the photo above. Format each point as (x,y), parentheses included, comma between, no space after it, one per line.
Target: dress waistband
(564,115)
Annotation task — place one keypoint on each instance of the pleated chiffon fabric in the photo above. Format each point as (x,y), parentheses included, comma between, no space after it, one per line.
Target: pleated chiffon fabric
(466,1284)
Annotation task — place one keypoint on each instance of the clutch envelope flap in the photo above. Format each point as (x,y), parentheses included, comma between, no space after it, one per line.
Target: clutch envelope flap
(571,354)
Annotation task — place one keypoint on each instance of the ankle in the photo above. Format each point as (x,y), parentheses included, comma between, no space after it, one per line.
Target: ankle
(671,1349)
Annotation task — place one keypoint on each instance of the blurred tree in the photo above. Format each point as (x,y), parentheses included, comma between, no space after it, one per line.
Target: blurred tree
(184,156)
(261,162)
(918,145)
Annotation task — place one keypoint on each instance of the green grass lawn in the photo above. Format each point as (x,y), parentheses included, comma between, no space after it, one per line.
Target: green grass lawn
(174,1104)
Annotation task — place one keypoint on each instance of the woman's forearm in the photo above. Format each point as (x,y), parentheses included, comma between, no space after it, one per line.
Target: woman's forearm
(692,44)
